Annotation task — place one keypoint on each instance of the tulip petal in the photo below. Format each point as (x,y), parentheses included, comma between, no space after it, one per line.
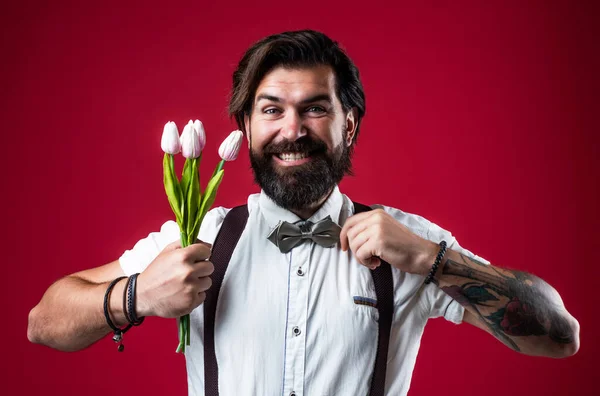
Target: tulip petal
(190,143)
(230,148)
(199,128)
(169,141)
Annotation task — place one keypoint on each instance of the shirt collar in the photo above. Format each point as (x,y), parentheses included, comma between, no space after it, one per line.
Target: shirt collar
(274,213)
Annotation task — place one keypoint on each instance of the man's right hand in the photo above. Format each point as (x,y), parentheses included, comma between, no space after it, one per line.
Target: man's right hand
(175,282)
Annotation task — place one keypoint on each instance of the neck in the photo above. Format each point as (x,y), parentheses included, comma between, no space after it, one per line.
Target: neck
(307,211)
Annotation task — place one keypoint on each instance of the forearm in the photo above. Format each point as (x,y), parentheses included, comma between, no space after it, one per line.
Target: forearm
(70,315)
(519,309)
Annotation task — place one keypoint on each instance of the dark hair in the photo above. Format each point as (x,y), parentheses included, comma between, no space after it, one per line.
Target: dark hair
(303,48)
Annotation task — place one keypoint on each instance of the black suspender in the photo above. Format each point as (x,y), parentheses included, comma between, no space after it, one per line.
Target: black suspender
(223,247)
(384,288)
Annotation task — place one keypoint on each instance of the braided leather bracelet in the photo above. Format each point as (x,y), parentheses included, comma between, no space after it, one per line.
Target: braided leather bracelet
(118,333)
(131,299)
(437,262)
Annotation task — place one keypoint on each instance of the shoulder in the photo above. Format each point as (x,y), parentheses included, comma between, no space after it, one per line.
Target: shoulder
(418,224)
(429,230)
(211,224)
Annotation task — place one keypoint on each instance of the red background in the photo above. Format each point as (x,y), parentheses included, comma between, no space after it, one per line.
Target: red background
(480,117)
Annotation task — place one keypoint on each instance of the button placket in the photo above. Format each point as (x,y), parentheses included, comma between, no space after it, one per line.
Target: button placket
(296,321)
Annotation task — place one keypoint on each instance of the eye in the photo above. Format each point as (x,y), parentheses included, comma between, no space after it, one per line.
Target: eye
(315,109)
(271,110)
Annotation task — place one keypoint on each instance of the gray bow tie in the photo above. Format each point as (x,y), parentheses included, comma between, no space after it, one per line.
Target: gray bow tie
(286,235)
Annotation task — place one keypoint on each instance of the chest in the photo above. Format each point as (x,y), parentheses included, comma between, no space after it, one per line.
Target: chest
(313,294)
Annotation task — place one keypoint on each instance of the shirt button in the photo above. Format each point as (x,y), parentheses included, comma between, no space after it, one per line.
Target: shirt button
(296,331)
(292,393)
(300,272)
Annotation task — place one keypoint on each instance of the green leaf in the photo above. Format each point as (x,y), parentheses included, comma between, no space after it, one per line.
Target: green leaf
(208,198)
(185,177)
(172,187)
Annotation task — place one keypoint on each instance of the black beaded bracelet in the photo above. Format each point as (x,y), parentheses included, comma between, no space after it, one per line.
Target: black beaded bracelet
(437,262)
(118,333)
(131,301)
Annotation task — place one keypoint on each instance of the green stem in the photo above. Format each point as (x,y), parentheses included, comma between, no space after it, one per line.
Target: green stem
(220,166)
(187,330)
(184,325)
(173,167)
(181,345)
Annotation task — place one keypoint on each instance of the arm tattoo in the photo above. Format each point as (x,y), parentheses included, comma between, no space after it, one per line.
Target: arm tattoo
(510,303)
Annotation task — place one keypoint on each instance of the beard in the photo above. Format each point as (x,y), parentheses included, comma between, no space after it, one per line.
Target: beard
(299,187)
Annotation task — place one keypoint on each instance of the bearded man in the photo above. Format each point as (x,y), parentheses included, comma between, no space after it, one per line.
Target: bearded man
(312,293)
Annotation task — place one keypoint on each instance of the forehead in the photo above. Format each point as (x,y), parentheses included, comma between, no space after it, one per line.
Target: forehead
(297,83)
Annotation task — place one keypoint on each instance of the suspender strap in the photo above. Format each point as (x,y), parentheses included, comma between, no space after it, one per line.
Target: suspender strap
(384,289)
(225,242)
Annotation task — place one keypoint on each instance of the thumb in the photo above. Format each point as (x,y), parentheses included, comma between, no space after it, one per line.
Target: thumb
(203,243)
(172,246)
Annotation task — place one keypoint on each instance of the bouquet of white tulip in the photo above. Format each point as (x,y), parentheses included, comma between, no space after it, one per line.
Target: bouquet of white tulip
(189,204)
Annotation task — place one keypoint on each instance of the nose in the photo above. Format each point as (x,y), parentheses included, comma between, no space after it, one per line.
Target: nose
(292,128)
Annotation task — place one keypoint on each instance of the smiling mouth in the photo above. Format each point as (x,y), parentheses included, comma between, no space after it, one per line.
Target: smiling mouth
(291,157)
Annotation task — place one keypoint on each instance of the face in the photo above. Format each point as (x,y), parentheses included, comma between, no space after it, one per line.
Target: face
(299,136)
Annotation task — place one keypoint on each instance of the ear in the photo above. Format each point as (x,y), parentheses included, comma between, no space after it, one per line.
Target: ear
(247,127)
(351,124)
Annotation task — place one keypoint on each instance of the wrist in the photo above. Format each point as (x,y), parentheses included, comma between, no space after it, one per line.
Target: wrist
(443,247)
(143,305)
(427,257)
(116,303)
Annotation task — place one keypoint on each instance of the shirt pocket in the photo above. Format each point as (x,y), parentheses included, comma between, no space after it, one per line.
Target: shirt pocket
(365,305)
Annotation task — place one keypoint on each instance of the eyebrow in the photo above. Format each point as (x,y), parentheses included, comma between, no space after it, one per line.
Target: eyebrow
(315,98)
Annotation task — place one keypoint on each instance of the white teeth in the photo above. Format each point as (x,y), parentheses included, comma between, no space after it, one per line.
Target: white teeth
(292,156)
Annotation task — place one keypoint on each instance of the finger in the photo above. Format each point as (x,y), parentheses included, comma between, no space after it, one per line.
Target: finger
(369,252)
(197,252)
(198,300)
(354,232)
(357,241)
(362,226)
(374,262)
(343,240)
(204,284)
(203,269)
(344,237)
(364,252)
(351,222)
(201,298)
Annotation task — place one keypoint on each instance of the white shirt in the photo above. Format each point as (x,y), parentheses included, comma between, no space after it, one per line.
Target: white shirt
(289,322)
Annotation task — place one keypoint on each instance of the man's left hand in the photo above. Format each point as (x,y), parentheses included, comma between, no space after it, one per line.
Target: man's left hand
(375,235)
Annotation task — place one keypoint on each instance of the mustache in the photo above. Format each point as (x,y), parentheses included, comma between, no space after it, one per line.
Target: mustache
(303,145)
